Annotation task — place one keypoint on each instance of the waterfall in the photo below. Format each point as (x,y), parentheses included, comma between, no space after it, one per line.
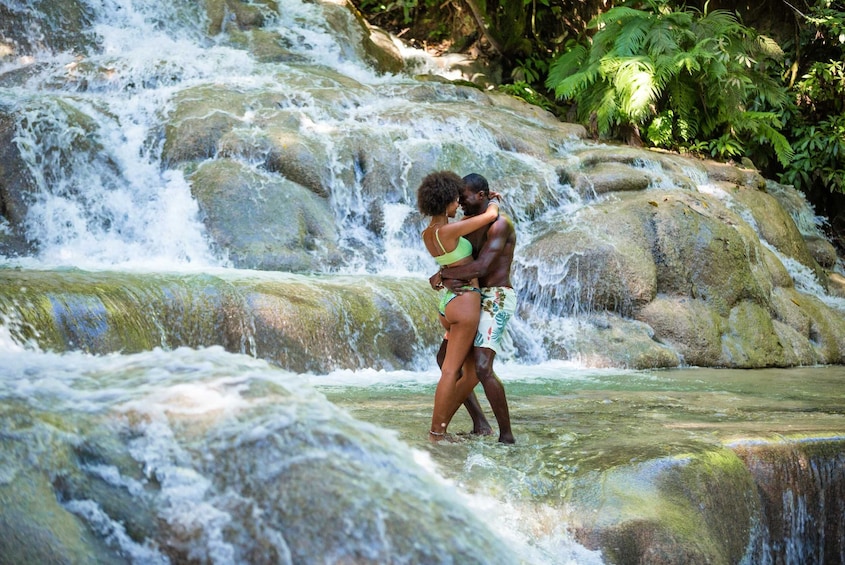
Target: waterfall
(801,487)
(89,129)
(163,400)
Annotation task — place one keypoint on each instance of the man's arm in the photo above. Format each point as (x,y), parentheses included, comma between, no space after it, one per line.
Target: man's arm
(497,238)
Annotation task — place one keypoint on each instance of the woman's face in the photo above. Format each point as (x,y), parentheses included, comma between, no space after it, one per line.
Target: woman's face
(452,208)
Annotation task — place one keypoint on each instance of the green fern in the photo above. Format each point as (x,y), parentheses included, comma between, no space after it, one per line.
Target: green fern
(699,76)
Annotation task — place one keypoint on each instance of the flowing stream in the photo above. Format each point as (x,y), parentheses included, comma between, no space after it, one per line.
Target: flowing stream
(196,454)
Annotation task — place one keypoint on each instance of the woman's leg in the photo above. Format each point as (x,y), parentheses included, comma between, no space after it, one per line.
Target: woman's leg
(446,325)
(462,314)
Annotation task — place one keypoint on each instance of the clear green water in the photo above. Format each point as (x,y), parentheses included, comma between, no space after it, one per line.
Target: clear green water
(568,421)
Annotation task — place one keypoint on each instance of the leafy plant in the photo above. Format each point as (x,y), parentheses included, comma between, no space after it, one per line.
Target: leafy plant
(408,8)
(816,119)
(523,90)
(530,70)
(681,75)
(818,130)
(819,156)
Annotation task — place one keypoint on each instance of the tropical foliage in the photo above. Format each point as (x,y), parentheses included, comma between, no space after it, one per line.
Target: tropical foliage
(673,74)
(688,79)
(817,119)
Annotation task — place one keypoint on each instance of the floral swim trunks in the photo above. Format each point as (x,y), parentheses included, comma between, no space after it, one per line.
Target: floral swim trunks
(498,304)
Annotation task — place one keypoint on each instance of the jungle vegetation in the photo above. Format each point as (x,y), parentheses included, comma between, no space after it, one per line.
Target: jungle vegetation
(759,82)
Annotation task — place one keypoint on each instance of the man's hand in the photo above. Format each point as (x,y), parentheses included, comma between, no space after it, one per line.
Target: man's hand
(458,286)
(436,281)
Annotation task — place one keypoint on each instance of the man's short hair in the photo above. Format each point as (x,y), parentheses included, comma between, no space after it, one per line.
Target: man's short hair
(477,183)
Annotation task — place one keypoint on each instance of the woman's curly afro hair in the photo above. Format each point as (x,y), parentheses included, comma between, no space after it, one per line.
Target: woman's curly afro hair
(437,191)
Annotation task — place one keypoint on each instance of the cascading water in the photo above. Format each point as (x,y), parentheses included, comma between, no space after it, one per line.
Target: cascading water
(162,449)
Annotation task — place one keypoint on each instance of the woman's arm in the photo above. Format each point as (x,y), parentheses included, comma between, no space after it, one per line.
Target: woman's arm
(471,223)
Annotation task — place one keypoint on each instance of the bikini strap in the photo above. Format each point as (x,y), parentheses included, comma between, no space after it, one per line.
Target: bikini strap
(437,237)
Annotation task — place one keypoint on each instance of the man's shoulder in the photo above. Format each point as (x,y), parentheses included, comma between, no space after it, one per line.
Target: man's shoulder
(502,224)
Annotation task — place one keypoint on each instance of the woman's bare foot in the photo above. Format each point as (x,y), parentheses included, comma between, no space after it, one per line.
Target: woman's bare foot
(437,437)
(434,437)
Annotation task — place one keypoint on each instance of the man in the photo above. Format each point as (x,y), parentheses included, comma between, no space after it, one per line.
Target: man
(493,248)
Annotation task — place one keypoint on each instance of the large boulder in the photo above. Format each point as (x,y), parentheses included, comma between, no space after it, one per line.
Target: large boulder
(709,271)
(697,508)
(599,259)
(775,226)
(264,221)
(690,326)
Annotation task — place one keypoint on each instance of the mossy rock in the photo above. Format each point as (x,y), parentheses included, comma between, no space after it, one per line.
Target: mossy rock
(750,340)
(608,340)
(697,508)
(776,225)
(281,149)
(296,323)
(705,251)
(265,45)
(603,178)
(599,260)
(691,327)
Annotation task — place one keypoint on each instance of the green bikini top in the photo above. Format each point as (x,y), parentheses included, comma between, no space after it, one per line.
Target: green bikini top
(464,249)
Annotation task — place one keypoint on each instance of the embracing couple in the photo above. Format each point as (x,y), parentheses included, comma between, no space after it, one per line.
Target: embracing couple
(477,300)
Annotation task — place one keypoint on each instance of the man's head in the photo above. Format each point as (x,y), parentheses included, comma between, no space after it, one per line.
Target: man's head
(475,194)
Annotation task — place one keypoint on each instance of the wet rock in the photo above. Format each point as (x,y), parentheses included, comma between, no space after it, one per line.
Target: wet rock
(827,329)
(282,150)
(610,177)
(291,320)
(705,251)
(797,349)
(802,494)
(787,304)
(780,275)
(202,116)
(775,225)
(821,250)
(264,221)
(837,284)
(600,259)
(693,509)
(820,326)
(749,339)
(60,25)
(733,174)
(378,44)
(36,529)
(36,521)
(296,324)
(608,340)
(364,42)
(16,187)
(691,327)
(266,46)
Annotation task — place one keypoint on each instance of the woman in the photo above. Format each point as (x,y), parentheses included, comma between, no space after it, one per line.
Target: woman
(437,196)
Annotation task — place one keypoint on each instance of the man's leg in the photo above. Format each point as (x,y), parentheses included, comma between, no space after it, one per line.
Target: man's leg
(495,392)
(497,306)
(480,425)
